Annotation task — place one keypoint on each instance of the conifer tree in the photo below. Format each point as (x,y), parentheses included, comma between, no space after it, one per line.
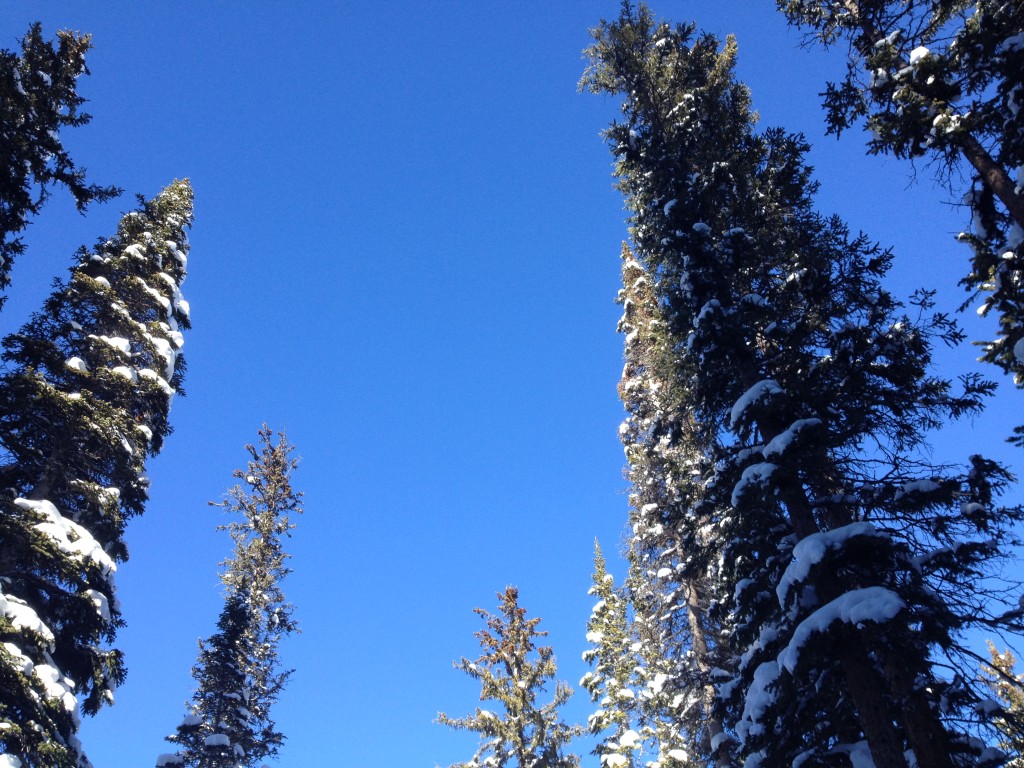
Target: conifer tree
(943,80)
(1008,687)
(845,566)
(612,683)
(629,684)
(672,619)
(39,97)
(84,401)
(238,674)
(513,671)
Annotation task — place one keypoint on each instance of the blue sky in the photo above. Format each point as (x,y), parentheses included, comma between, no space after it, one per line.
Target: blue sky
(405,253)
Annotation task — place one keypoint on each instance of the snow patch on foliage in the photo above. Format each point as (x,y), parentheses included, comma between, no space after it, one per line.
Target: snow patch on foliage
(70,537)
(859,606)
(916,486)
(759,698)
(57,686)
(763,390)
(754,475)
(22,616)
(778,445)
(812,549)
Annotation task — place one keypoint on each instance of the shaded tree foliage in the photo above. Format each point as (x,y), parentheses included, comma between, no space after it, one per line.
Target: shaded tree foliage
(943,81)
(39,98)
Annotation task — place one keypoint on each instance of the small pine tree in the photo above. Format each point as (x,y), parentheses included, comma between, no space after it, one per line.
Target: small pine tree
(1008,687)
(944,80)
(512,671)
(630,683)
(612,683)
(84,401)
(238,674)
(39,97)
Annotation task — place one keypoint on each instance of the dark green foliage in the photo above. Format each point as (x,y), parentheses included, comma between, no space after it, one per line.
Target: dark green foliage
(217,732)
(238,674)
(943,80)
(786,498)
(84,400)
(39,97)
(512,671)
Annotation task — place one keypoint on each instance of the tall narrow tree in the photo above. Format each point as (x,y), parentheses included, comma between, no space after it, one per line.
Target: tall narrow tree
(38,98)
(638,709)
(943,80)
(669,563)
(84,401)
(513,671)
(846,566)
(239,675)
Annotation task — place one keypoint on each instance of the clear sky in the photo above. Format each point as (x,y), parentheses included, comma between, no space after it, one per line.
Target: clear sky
(405,253)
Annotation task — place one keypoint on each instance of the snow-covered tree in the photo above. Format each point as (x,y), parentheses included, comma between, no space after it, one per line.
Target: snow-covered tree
(669,563)
(39,97)
(943,80)
(842,567)
(1008,687)
(612,682)
(84,400)
(637,715)
(513,671)
(238,674)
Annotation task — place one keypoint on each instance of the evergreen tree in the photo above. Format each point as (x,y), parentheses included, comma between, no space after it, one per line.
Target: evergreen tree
(944,80)
(844,567)
(612,683)
(84,401)
(669,563)
(630,684)
(512,671)
(1009,688)
(238,674)
(39,97)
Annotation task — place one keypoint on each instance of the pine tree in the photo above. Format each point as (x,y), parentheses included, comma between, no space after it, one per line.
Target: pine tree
(944,80)
(512,671)
(612,683)
(238,674)
(1009,689)
(672,618)
(84,401)
(630,684)
(845,567)
(39,97)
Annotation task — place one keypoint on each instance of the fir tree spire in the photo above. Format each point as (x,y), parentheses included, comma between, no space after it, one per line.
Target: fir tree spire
(512,671)
(84,401)
(638,708)
(611,684)
(238,674)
